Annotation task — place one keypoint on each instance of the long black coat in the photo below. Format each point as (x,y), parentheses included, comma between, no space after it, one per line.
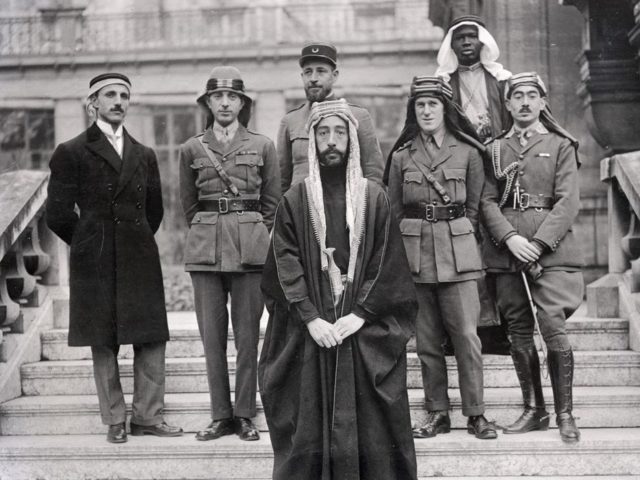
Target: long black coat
(108,209)
(339,413)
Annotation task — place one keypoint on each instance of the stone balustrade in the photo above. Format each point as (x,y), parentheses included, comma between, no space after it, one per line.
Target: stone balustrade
(70,31)
(29,252)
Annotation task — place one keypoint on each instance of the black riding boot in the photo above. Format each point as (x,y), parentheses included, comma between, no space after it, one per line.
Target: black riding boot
(535,415)
(561,373)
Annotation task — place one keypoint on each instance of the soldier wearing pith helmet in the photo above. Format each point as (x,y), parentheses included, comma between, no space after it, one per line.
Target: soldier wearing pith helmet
(230,186)
(319,64)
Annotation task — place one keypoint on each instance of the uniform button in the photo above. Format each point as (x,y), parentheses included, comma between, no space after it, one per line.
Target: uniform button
(521,172)
(139,187)
(138,205)
(137,221)
(116,219)
(225,191)
(224,159)
(520,157)
(435,202)
(433,169)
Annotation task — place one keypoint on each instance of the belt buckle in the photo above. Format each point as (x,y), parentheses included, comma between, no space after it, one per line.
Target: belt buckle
(223,205)
(524,204)
(430,214)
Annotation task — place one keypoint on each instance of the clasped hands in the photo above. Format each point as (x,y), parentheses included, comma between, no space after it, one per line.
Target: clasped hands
(524,250)
(329,335)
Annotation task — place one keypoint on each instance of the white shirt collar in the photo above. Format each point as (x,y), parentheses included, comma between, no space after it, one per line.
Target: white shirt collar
(536,127)
(107,129)
(230,129)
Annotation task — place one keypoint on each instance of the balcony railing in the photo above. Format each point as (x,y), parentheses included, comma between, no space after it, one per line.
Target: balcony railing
(72,32)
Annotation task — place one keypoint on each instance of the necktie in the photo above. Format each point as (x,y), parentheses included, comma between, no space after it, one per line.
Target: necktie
(224,138)
(523,136)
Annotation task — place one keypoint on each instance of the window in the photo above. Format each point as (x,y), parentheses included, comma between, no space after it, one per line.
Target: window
(27,138)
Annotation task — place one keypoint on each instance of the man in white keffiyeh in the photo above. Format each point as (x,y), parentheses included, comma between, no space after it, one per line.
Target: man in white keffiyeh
(341,307)
(467,60)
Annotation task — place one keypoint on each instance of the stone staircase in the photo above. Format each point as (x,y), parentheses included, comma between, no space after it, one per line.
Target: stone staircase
(53,431)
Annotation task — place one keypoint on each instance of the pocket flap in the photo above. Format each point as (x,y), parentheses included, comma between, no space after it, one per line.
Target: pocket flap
(460,226)
(250,217)
(411,227)
(415,177)
(199,163)
(454,174)
(205,218)
(249,159)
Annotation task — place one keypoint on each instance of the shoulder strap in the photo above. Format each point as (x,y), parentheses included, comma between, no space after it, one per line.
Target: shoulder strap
(223,175)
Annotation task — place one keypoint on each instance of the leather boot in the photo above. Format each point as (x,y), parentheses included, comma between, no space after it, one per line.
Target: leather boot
(561,373)
(535,415)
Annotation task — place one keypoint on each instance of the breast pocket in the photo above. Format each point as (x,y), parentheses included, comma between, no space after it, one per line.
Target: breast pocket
(412,189)
(254,238)
(206,171)
(249,166)
(465,247)
(411,229)
(200,247)
(456,183)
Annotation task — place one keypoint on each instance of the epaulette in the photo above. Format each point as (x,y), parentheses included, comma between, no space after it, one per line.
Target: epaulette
(403,146)
(297,108)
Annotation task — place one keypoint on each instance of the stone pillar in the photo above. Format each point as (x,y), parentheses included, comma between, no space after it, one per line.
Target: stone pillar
(270,108)
(69,118)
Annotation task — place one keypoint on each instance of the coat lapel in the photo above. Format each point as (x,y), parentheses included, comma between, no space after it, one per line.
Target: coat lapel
(132,152)
(419,156)
(239,141)
(98,144)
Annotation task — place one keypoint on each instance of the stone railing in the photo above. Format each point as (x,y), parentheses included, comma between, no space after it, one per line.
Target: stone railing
(71,31)
(29,259)
(619,292)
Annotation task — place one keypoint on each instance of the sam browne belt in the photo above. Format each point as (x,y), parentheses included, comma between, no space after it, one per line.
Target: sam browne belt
(433,213)
(226,205)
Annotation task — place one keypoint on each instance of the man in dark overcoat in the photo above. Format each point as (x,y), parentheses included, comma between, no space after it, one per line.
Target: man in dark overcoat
(319,64)
(333,368)
(530,201)
(105,202)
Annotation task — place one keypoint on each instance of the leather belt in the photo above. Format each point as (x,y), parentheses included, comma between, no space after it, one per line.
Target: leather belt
(433,213)
(527,200)
(226,205)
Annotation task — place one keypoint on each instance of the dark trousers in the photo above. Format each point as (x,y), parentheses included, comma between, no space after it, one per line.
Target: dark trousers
(211,290)
(453,308)
(148,383)
(556,294)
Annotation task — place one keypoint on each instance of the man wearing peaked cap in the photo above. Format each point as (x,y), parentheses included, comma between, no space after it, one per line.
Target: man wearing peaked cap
(318,62)
(435,182)
(105,202)
(229,187)
(530,201)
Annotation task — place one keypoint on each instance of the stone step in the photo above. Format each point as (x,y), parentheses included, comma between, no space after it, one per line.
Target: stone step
(79,414)
(75,377)
(585,334)
(611,452)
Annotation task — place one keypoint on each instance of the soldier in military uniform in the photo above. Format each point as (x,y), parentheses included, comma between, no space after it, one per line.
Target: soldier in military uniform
(230,186)
(435,184)
(529,203)
(319,72)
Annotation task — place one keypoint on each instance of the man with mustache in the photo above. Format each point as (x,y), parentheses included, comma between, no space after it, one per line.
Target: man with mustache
(530,201)
(341,310)
(105,202)
(319,73)
(229,186)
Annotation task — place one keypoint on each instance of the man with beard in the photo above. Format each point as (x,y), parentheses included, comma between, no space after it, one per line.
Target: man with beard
(467,60)
(105,202)
(342,305)
(530,201)
(319,72)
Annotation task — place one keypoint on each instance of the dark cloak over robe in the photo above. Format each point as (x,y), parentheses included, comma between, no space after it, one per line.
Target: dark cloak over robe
(340,413)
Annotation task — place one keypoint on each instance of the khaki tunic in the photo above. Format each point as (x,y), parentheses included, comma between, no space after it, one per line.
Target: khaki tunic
(236,241)
(443,251)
